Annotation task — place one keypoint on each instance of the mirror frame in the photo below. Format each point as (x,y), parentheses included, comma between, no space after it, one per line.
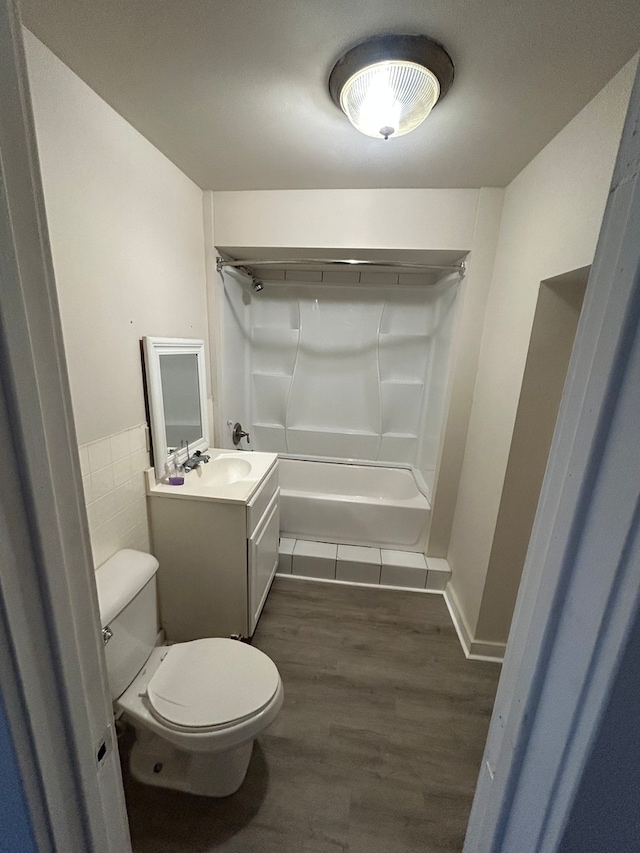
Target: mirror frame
(153,348)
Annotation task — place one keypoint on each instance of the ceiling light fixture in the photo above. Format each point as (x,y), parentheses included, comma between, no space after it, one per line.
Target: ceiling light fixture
(388,85)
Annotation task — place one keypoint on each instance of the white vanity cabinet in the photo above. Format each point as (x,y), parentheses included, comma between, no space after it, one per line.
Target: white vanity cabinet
(217,557)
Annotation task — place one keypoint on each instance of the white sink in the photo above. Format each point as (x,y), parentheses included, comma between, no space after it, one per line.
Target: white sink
(225,470)
(230,476)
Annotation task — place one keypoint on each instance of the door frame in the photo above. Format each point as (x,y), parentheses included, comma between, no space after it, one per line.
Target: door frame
(580,592)
(52,671)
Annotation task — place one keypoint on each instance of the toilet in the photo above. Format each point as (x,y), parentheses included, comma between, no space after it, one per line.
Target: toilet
(197,706)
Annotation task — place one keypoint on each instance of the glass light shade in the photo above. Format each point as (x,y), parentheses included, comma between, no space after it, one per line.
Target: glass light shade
(389,98)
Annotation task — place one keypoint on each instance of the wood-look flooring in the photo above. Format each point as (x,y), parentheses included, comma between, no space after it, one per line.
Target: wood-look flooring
(377,747)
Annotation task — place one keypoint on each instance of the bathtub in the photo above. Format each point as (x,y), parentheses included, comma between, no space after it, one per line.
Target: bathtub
(353,504)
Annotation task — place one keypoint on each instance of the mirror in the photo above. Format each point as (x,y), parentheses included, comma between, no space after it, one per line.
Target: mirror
(177,394)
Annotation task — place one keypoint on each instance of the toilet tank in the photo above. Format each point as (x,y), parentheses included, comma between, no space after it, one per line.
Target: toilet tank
(128,608)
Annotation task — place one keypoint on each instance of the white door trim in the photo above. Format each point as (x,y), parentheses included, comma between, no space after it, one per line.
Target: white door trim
(581,583)
(53,678)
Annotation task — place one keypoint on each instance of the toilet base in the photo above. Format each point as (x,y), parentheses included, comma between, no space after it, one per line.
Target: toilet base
(154,761)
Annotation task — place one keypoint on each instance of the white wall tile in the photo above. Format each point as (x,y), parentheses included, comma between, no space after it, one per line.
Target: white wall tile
(359,554)
(306,548)
(139,461)
(439,573)
(403,568)
(99,453)
(130,538)
(88,489)
(102,482)
(115,492)
(123,496)
(437,564)
(408,576)
(141,531)
(314,559)
(139,510)
(313,567)
(286,545)
(124,521)
(102,509)
(410,559)
(84,460)
(98,549)
(137,439)
(358,564)
(138,486)
(144,545)
(119,446)
(285,562)
(438,580)
(357,572)
(104,542)
(127,519)
(92,516)
(122,470)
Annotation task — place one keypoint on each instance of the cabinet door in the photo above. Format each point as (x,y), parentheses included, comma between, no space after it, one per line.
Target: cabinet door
(263,559)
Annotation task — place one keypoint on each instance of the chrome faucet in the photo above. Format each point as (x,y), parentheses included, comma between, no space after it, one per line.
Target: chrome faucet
(195,460)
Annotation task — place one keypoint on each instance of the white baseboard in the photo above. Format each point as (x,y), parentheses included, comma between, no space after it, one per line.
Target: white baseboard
(335,581)
(473,649)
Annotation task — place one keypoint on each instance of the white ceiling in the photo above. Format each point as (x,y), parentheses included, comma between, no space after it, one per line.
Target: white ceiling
(235,91)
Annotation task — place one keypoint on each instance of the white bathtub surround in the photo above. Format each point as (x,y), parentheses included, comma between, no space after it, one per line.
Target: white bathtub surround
(286,555)
(358,564)
(394,333)
(361,565)
(402,568)
(314,559)
(352,504)
(114,489)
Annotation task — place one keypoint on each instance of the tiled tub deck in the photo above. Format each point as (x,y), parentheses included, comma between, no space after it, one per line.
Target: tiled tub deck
(356,564)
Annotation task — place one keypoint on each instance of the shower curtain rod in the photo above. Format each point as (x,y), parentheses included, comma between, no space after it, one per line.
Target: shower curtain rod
(221,263)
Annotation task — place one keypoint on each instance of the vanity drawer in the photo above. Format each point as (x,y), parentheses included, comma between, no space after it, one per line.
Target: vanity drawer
(260,501)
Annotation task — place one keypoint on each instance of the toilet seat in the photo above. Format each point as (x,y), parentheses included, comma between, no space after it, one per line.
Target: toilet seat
(211,684)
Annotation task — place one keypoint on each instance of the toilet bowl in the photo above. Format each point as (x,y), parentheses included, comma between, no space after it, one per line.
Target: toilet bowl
(197,706)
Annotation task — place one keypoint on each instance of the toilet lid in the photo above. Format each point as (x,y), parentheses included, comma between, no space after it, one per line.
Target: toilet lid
(212,682)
